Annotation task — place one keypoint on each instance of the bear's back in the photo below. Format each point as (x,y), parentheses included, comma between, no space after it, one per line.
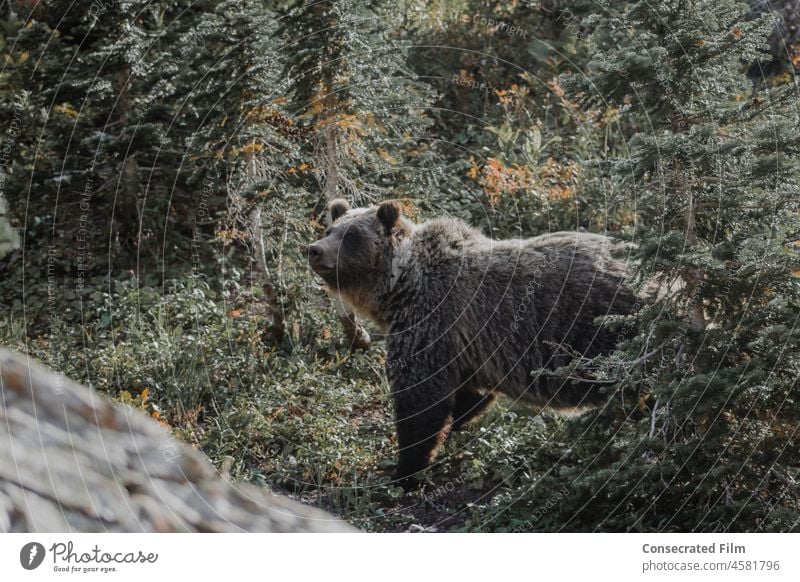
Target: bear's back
(505,305)
(446,248)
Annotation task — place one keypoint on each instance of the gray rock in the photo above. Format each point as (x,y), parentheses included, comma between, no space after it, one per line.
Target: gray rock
(73,461)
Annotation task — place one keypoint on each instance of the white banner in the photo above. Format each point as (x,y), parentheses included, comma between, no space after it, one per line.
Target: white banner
(354,557)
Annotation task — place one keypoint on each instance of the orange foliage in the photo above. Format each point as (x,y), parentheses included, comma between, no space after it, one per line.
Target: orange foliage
(552,180)
(513,97)
(408,208)
(497,179)
(794,55)
(568,105)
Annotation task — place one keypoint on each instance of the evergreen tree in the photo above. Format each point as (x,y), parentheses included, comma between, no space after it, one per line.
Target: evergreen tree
(99,118)
(11,104)
(349,82)
(231,91)
(242,138)
(350,86)
(9,240)
(702,431)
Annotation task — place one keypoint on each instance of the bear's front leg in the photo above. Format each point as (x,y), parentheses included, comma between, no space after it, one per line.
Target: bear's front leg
(423,414)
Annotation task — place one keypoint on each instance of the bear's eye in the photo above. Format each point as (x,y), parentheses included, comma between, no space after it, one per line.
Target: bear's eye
(327,231)
(351,236)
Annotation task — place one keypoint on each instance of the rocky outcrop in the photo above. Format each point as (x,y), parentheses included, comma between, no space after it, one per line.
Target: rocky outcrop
(73,461)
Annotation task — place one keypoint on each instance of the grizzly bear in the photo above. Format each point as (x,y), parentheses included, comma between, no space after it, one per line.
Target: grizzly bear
(466,316)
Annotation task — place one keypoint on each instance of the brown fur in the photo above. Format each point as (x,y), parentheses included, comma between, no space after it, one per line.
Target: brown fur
(469,316)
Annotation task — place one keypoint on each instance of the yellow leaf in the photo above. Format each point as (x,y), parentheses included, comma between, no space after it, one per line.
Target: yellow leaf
(249,148)
(386,157)
(67,110)
(408,208)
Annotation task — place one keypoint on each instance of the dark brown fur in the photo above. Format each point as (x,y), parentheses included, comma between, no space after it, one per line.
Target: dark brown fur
(467,317)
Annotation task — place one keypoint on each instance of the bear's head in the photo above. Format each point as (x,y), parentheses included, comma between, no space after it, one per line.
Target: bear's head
(356,251)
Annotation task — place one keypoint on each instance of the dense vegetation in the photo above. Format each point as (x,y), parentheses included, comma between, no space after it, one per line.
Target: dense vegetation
(163,163)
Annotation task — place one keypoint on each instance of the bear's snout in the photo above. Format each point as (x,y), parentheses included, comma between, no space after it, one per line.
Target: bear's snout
(314,252)
(317,257)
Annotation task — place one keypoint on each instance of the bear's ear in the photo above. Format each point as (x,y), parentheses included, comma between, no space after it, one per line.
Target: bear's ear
(337,208)
(389,213)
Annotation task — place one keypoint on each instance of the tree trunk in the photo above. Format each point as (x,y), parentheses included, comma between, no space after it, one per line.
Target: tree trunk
(129,210)
(694,277)
(353,329)
(278,330)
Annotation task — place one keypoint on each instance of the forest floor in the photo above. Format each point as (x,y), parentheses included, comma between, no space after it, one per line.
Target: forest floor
(309,419)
